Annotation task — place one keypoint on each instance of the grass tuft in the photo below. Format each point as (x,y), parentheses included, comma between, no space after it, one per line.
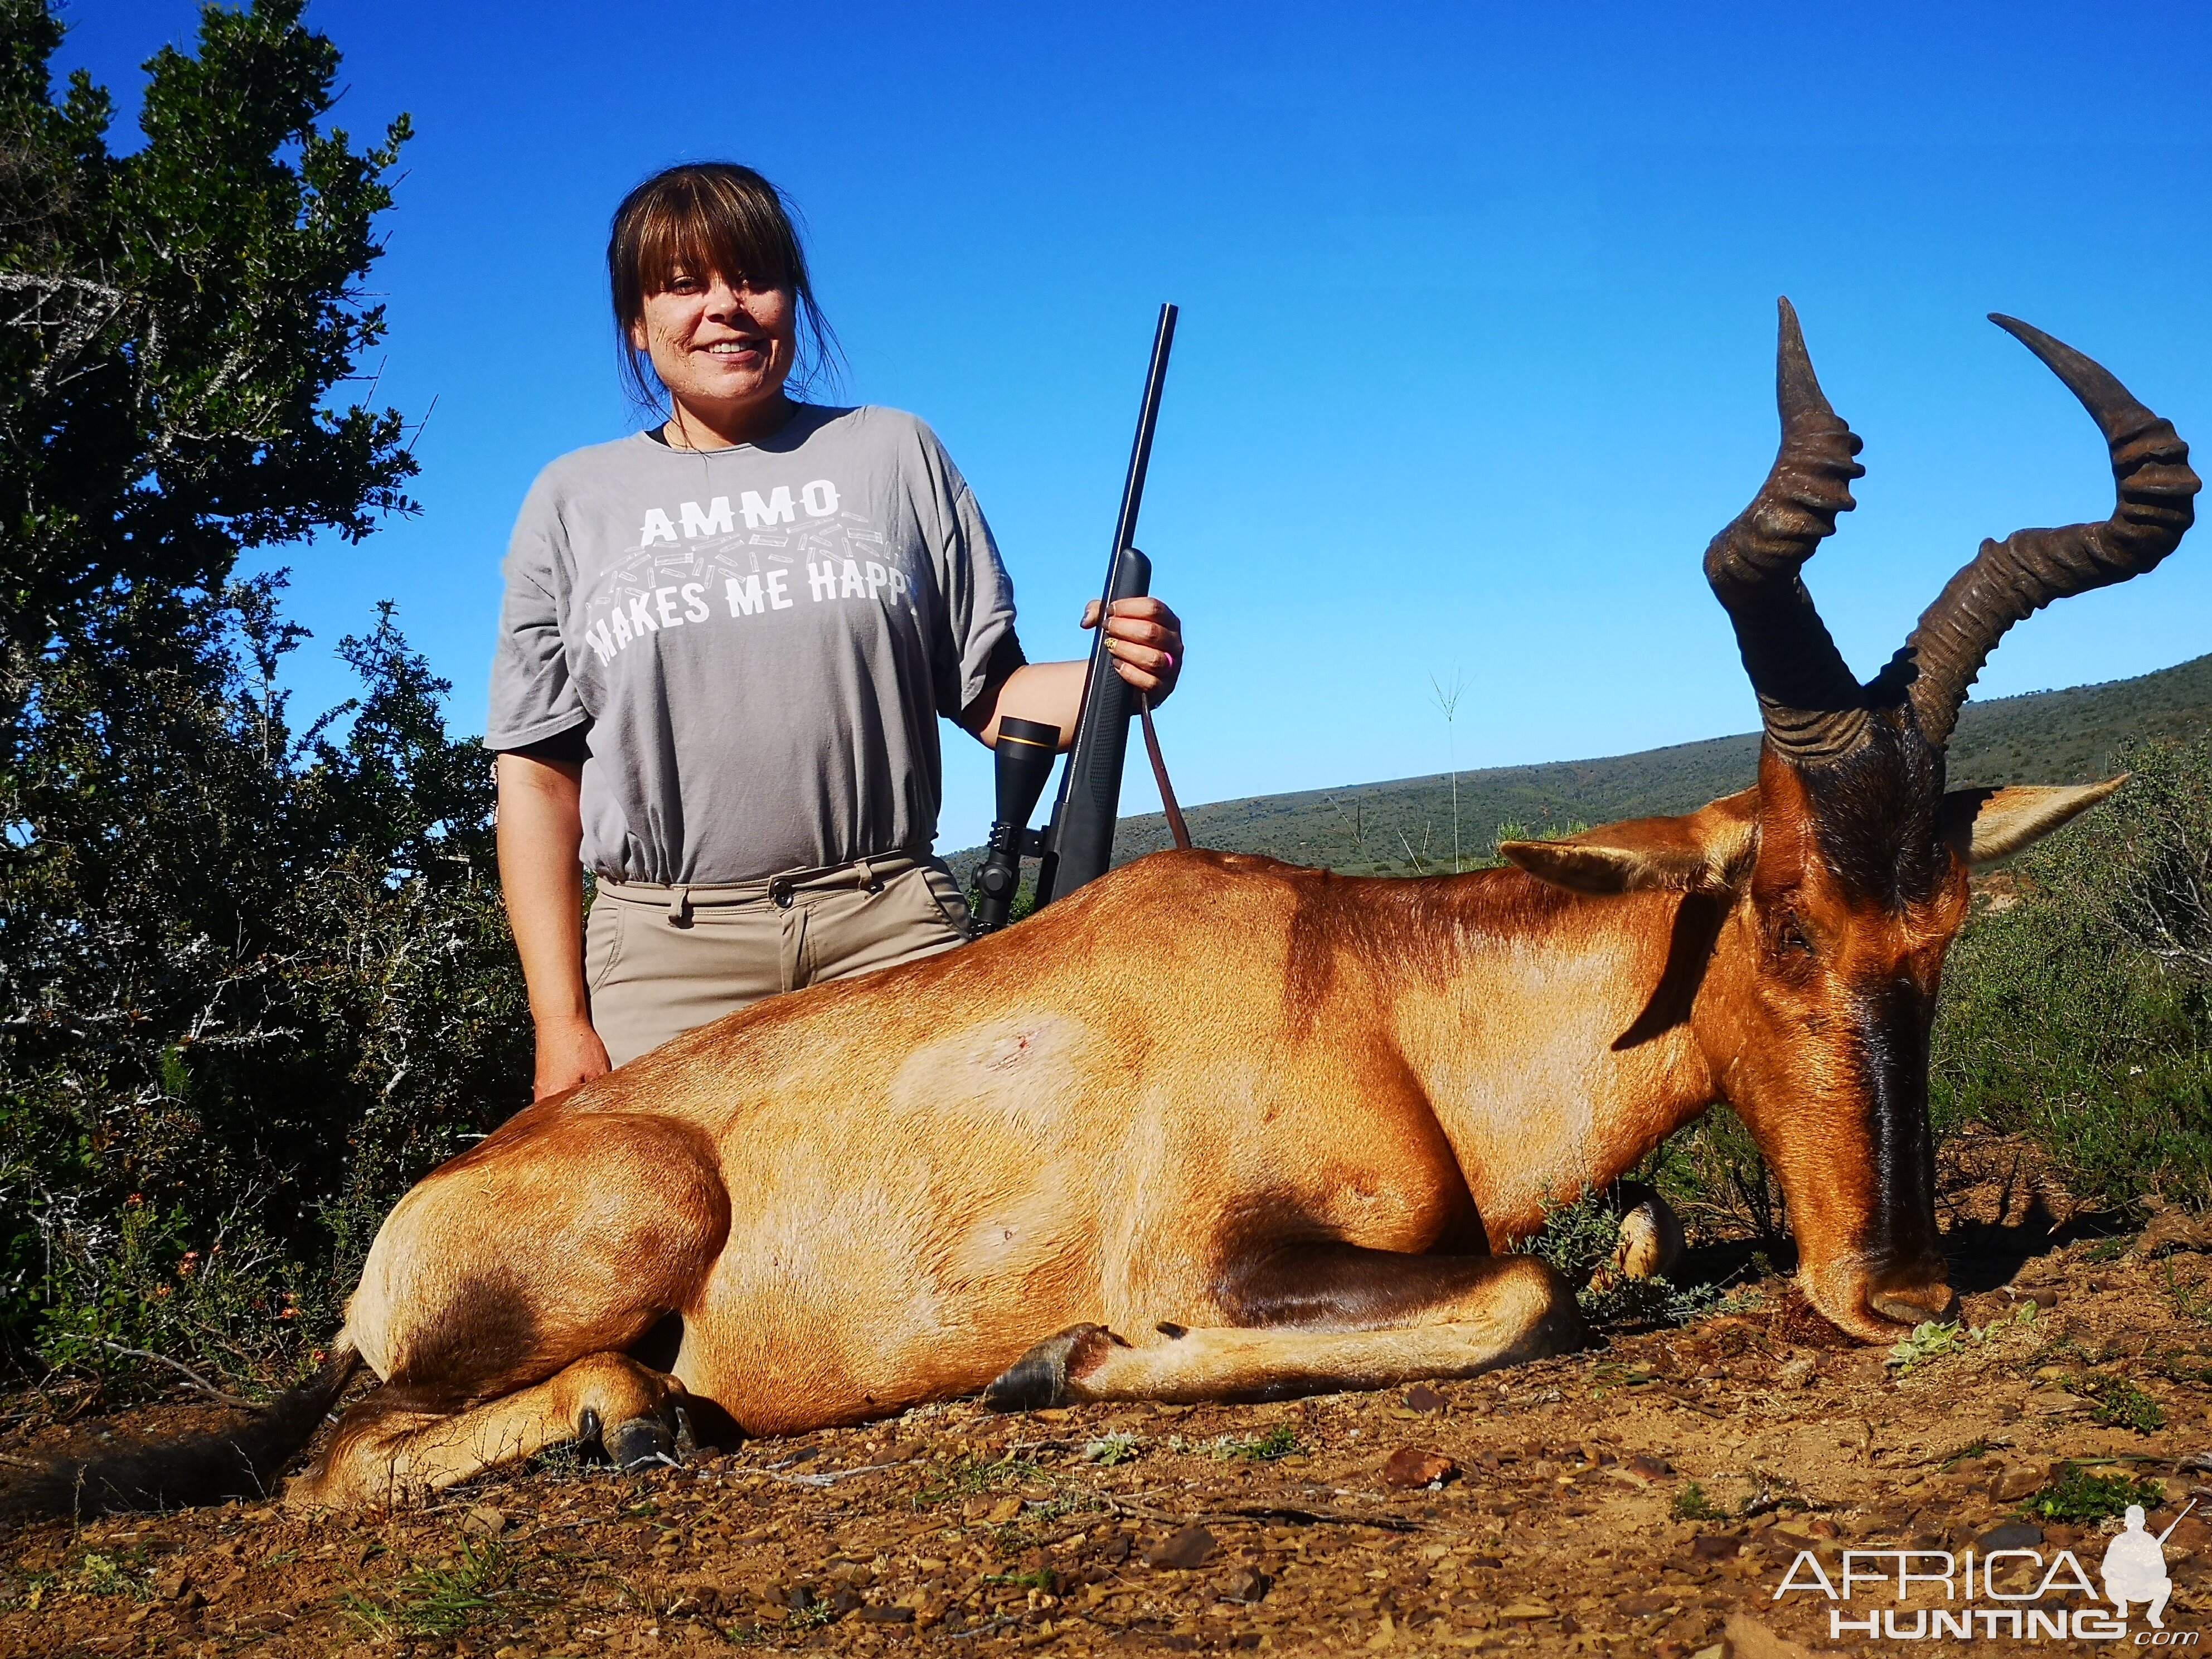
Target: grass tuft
(440,1601)
(1691,1504)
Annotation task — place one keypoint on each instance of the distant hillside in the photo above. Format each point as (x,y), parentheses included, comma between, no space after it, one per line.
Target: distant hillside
(1404,827)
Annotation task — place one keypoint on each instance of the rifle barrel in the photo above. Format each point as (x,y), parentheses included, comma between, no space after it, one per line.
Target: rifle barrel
(1079,844)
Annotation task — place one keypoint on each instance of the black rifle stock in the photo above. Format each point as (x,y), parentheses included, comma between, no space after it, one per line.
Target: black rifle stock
(1079,844)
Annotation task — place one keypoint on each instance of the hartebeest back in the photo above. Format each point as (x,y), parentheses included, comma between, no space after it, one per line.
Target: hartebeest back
(1217,1127)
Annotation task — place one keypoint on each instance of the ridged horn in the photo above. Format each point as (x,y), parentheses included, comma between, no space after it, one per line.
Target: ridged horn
(1809,701)
(2016,577)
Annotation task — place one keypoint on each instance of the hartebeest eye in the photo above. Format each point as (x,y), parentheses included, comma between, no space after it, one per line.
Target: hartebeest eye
(1789,936)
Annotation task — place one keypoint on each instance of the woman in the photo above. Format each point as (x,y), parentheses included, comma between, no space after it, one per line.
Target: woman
(725,645)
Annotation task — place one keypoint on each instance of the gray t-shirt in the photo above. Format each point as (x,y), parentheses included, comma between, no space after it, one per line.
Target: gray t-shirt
(759,641)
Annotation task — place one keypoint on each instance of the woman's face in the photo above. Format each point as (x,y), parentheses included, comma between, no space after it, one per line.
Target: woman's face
(724,353)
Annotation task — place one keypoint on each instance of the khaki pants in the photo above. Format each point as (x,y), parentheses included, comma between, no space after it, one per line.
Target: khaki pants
(661,960)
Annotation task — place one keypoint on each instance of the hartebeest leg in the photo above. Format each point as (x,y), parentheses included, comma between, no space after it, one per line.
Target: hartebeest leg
(1356,1319)
(500,1294)
(388,1452)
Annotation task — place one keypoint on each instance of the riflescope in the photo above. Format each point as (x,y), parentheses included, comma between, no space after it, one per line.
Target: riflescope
(1023,758)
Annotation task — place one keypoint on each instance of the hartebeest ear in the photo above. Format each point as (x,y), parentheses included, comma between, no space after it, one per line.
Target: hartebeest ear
(1987,824)
(1704,852)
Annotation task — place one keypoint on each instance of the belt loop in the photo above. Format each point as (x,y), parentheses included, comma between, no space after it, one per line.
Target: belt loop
(679,906)
(868,882)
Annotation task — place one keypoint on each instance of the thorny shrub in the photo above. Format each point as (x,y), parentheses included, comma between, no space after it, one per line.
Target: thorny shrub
(252,985)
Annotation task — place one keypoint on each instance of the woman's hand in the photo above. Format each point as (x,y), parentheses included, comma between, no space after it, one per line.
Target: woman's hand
(1145,639)
(569,1054)
(1143,636)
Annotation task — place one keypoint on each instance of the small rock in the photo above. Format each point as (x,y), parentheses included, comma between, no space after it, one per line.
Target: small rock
(1526,1608)
(2013,1535)
(1713,1547)
(1824,1527)
(1745,1637)
(1004,1510)
(1412,1466)
(2045,1297)
(1797,1373)
(484,1521)
(2053,1402)
(887,1615)
(1184,1550)
(1247,1584)
(1424,1399)
(172,1585)
(2017,1483)
(1644,1469)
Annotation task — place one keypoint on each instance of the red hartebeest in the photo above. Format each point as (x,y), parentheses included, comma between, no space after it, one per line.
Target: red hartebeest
(1235,1129)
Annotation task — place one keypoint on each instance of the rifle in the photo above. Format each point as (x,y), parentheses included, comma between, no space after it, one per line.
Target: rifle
(1078,844)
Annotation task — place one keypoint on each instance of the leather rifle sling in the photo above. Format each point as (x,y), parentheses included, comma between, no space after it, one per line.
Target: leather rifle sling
(1176,827)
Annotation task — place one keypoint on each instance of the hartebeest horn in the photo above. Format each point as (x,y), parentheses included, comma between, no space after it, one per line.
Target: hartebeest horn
(1808,699)
(2018,576)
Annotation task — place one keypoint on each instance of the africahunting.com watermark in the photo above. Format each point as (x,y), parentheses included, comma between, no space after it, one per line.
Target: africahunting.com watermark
(2013,1594)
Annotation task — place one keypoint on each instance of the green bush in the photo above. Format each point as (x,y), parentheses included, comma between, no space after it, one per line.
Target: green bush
(2079,1497)
(253,987)
(1579,1237)
(253,979)
(2077,1002)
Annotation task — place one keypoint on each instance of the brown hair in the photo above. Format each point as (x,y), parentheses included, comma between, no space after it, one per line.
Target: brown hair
(719,217)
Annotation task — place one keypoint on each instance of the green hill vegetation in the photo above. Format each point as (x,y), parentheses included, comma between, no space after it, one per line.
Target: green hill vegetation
(1404,827)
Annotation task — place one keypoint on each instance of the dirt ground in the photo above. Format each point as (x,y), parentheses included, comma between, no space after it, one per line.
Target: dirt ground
(1633,1499)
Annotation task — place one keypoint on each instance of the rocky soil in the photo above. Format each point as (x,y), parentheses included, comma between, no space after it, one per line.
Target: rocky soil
(1645,1497)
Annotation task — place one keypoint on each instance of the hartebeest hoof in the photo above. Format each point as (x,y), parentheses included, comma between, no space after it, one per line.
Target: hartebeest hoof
(1652,1240)
(1038,1380)
(641,1443)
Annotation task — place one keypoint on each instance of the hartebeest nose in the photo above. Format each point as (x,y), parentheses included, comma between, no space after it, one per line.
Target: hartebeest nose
(1914,1302)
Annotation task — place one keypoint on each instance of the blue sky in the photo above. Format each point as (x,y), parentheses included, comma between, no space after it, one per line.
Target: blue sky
(1476,350)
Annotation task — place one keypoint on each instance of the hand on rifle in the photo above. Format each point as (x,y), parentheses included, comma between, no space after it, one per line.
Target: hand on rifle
(1145,640)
